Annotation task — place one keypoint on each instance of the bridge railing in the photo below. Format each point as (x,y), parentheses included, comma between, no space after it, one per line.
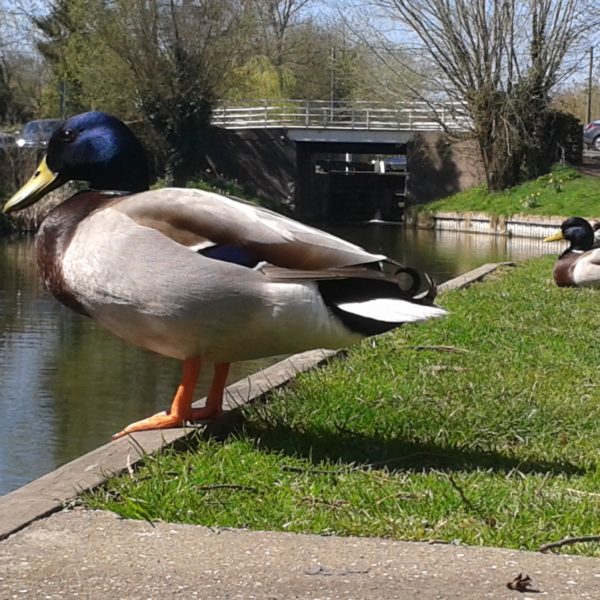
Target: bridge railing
(323,114)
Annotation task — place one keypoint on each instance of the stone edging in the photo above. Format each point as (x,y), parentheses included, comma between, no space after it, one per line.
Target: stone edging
(52,491)
(476,222)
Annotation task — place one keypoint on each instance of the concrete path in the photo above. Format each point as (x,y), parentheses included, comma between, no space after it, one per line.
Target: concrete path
(96,555)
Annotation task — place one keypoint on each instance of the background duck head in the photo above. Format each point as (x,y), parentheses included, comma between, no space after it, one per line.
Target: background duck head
(576,230)
(93,147)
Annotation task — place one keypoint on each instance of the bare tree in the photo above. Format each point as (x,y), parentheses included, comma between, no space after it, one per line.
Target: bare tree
(498,60)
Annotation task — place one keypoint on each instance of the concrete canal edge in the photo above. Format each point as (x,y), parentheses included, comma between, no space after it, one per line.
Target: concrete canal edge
(476,222)
(53,491)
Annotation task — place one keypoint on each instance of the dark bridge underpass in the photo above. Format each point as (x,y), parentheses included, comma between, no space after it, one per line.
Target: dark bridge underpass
(351,181)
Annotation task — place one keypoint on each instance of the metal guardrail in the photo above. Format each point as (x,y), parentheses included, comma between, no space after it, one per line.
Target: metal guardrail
(324,114)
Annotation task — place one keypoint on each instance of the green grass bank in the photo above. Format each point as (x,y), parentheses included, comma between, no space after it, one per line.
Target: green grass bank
(483,427)
(562,192)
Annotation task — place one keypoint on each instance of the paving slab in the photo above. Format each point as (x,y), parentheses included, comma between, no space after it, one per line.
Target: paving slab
(94,554)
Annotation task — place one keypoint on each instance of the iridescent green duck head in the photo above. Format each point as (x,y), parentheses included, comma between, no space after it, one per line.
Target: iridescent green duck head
(93,147)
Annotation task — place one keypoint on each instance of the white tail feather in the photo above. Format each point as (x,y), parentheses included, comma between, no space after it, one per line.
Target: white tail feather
(392,310)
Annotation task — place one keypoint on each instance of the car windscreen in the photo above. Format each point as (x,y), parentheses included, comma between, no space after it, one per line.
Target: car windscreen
(40,128)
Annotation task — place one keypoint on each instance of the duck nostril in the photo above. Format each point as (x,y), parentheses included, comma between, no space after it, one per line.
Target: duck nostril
(36,174)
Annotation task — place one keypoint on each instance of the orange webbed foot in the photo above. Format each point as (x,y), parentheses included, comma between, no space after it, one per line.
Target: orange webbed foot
(161,420)
(181,408)
(164,420)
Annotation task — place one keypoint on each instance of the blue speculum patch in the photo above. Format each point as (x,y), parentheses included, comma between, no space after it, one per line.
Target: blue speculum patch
(231,254)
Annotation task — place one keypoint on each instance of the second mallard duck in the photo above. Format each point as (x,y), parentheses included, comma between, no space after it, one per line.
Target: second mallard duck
(579,264)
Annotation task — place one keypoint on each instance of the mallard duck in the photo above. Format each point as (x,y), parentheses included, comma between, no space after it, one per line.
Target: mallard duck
(197,276)
(579,264)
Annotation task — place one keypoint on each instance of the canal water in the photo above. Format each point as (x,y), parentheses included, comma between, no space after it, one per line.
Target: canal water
(66,385)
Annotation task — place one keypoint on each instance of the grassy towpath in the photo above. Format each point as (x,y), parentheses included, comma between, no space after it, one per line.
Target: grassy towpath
(563,192)
(483,427)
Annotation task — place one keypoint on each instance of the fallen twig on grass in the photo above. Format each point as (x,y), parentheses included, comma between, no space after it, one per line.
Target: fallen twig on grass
(462,495)
(439,348)
(440,368)
(293,469)
(227,486)
(569,540)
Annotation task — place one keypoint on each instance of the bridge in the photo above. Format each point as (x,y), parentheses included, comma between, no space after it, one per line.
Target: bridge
(332,159)
(345,115)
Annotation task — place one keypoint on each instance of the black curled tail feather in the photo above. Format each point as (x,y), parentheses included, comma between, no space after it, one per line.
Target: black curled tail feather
(417,287)
(430,293)
(413,292)
(403,284)
(413,275)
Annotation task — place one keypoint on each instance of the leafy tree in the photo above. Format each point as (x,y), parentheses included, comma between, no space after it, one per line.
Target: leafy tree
(154,61)
(259,78)
(316,60)
(277,19)
(19,69)
(54,31)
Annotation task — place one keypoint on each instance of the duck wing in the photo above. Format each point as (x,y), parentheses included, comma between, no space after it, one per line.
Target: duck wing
(202,220)
(584,270)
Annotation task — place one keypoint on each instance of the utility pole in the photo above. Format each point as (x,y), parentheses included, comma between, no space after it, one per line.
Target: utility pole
(332,82)
(589,106)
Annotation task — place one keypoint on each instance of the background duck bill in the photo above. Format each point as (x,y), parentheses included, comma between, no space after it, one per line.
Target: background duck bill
(555,237)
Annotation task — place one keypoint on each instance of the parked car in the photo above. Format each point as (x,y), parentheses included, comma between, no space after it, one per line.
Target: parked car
(36,134)
(591,134)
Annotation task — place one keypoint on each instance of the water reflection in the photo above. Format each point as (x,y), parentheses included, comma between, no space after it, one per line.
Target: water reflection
(67,385)
(442,254)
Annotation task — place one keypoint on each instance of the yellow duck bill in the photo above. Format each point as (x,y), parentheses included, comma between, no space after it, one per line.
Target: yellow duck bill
(40,183)
(555,237)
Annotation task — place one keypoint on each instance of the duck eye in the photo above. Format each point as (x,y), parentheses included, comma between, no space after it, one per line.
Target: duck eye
(68,135)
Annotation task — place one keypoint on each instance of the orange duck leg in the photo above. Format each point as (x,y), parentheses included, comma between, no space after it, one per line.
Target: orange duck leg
(181,408)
